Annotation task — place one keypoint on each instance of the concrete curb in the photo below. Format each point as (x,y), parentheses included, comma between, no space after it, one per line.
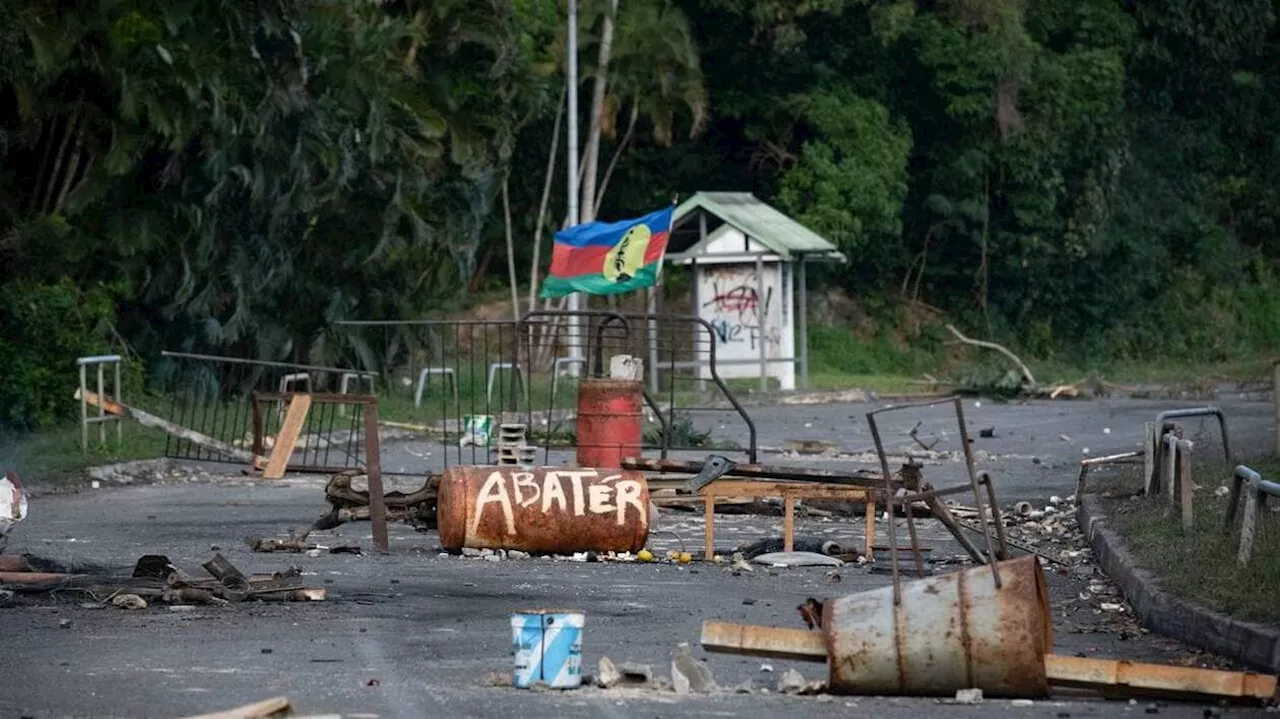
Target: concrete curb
(1255,645)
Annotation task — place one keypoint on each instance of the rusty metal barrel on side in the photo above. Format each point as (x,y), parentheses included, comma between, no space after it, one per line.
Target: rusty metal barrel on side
(610,421)
(955,631)
(544,509)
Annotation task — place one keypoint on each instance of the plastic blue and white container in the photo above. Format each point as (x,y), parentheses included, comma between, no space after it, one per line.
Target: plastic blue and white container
(547,645)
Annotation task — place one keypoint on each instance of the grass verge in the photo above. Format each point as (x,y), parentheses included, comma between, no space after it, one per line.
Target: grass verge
(1200,565)
(54,456)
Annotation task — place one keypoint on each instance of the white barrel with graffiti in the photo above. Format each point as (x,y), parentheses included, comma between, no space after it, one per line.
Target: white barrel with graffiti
(548,648)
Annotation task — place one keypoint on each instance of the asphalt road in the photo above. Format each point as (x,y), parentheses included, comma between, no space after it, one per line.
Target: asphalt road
(430,628)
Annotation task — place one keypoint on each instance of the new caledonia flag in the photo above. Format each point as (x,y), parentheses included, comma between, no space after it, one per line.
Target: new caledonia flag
(609,258)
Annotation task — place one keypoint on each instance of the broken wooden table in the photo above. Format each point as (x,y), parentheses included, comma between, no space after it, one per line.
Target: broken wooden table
(789,492)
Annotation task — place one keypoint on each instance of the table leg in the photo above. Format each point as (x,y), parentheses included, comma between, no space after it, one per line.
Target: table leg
(709,512)
(788,522)
(870,522)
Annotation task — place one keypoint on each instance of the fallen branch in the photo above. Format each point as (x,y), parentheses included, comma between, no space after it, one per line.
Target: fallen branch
(1026,373)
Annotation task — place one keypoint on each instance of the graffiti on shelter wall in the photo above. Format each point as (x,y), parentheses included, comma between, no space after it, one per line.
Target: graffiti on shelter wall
(738,314)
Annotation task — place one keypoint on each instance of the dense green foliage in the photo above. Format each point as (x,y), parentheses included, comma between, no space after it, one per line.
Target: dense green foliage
(1093,176)
(35,390)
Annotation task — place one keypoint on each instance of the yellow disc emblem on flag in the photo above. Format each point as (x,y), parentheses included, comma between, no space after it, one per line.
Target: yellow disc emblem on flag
(626,259)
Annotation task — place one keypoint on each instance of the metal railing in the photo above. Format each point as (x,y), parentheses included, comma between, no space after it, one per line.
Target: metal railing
(1255,490)
(222,398)
(100,362)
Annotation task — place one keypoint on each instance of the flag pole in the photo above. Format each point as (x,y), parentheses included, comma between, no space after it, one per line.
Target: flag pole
(575,298)
(651,306)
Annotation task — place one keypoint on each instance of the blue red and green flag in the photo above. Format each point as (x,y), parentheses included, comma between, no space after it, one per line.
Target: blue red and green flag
(608,258)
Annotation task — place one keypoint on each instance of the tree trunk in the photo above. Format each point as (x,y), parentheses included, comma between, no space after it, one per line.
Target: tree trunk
(617,153)
(591,153)
(72,171)
(984,268)
(511,248)
(52,173)
(542,206)
(482,268)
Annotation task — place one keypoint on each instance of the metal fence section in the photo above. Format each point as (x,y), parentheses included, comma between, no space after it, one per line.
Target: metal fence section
(689,406)
(460,381)
(456,381)
(217,396)
(1255,490)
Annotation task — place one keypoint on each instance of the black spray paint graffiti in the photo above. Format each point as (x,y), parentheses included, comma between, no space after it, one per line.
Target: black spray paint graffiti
(740,312)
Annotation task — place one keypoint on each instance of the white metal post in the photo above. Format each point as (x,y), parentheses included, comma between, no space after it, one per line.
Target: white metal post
(804,324)
(84,409)
(761,321)
(102,428)
(575,300)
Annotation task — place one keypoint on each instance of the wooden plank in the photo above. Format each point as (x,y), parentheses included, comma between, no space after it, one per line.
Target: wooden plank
(290,429)
(276,707)
(697,501)
(747,488)
(1102,674)
(759,641)
(149,420)
(33,577)
(373,472)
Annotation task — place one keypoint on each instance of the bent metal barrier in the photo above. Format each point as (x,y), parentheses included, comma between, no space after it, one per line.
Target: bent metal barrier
(215,396)
(1255,490)
(932,497)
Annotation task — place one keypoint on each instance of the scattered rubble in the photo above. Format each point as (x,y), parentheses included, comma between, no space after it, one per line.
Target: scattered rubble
(797,559)
(791,682)
(689,675)
(607,675)
(156,579)
(129,601)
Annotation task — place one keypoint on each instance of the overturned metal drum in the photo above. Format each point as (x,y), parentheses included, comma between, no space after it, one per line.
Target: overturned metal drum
(955,631)
(544,509)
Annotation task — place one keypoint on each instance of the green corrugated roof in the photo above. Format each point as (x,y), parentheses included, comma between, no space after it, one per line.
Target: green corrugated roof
(757,220)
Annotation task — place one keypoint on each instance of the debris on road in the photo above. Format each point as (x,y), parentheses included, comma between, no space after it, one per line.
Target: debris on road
(607,674)
(968,696)
(541,657)
(791,682)
(129,601)
(275,708)
(14,563)
(155,578)
(1003,647)
(636,674)
(13,502)
(797,559)
(688,675)
(751,550)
